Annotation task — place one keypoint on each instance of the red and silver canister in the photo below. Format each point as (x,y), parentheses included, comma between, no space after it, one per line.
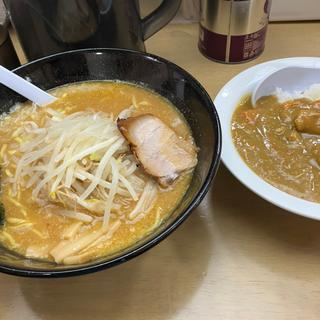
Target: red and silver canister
(233,31)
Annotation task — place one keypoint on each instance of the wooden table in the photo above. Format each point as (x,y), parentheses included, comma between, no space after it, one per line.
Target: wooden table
(237,256)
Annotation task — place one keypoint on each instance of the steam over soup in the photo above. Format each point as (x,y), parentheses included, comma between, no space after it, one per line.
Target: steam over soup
(281,143)
(91,173)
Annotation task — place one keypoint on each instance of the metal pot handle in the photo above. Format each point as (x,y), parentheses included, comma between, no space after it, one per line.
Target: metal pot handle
(157,19)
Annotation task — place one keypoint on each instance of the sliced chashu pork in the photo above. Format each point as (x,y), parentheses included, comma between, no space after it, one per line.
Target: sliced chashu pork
(161,152)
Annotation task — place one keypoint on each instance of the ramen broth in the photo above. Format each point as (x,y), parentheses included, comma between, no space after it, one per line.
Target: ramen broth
(34,230)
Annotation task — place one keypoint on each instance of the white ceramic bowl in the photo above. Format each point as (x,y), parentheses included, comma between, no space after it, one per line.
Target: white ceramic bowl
(226,102)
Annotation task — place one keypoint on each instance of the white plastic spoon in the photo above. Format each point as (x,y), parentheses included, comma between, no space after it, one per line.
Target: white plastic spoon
(289,79)
(25,88)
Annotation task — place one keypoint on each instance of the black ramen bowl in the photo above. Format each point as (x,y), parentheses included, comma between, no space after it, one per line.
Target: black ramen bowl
(154,73)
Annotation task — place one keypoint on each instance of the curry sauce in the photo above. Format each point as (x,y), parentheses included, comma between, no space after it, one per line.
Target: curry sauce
(280,142)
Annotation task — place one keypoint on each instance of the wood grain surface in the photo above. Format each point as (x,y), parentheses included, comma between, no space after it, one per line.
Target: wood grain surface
(237,257)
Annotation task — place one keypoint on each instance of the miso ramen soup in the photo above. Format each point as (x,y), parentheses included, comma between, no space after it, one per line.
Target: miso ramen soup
(92,173)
